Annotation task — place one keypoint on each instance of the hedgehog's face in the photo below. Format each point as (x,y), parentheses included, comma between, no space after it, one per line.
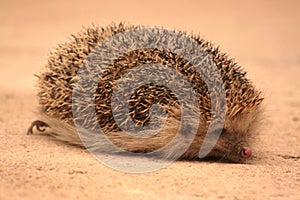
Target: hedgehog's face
(231,147)
(234,143)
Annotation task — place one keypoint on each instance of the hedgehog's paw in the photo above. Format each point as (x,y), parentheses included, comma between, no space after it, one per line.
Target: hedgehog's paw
(39,125)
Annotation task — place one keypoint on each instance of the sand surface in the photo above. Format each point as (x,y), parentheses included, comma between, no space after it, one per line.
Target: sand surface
(262,36)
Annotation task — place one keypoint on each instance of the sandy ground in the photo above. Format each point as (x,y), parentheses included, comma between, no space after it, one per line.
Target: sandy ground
(262,36)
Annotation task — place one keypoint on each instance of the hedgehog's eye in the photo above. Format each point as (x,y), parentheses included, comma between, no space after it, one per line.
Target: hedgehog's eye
(220,131)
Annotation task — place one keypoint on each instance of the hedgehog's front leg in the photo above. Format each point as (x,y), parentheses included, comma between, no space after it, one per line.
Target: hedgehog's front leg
(40,126)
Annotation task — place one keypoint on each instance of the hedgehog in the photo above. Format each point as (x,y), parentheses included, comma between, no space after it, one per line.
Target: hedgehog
(57,87)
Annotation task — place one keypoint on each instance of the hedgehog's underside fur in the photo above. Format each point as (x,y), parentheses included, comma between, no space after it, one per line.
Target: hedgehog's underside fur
(56,84)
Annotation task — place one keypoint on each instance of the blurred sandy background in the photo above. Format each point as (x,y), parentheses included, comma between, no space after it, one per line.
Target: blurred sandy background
(263,36)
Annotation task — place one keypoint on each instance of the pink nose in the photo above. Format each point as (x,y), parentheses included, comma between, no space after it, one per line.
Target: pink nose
(246,153)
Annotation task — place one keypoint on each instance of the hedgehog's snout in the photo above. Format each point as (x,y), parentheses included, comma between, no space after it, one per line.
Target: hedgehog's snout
(246,152)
